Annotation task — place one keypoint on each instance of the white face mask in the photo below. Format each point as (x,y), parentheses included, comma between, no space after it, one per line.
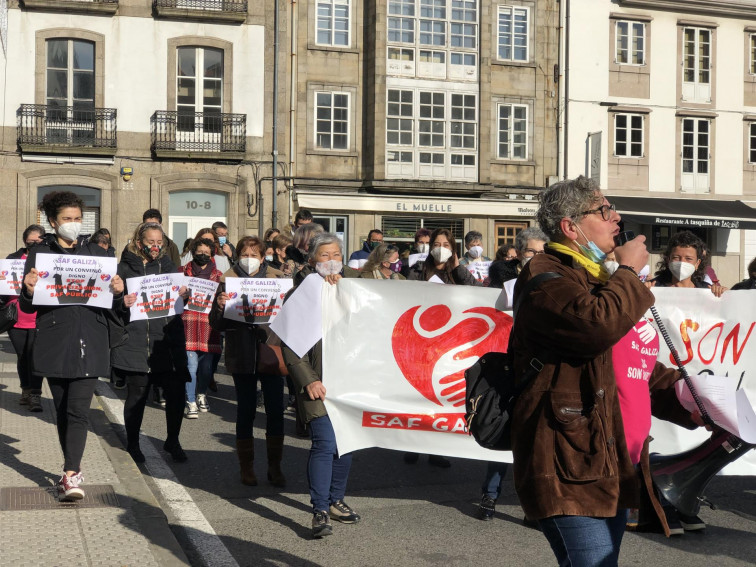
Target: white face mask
(682,270)
(249,265)
(611,266)
(269,258)
(69,231)
(329,268)
(475,251)
(423,248)
(441,254)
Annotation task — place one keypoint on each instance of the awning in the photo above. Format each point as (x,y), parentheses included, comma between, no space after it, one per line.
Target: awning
(704,213)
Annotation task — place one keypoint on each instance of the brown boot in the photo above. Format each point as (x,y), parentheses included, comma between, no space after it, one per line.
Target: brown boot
(245,449)
(275,453)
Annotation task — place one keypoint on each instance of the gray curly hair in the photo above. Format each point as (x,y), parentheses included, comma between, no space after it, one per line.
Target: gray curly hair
(568,198)
(321,239)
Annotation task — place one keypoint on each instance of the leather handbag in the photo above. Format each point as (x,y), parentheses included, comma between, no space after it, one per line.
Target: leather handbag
(270,360)
(8,316)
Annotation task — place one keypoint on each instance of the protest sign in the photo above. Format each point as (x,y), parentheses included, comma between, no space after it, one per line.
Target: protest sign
(255,300)
(157,296)
(67,279)
(11,276)
(201,294)
(479,270)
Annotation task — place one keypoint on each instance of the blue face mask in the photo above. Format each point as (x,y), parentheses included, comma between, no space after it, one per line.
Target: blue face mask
(590,250)
(222,240)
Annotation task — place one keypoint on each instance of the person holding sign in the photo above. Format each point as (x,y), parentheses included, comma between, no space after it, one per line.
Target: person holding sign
(202,341)
(244,343)
(151,351)
(442,262)
(71,347)
(21,334)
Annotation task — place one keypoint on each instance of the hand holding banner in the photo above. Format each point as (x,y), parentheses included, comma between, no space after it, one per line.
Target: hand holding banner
(157,296)
(11,276)
(255,300)
(201,294)
(74,280)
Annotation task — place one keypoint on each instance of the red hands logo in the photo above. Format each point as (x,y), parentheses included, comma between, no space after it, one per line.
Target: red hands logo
(418,350)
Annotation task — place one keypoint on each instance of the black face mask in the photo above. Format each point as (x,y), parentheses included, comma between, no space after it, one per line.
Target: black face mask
(201,259)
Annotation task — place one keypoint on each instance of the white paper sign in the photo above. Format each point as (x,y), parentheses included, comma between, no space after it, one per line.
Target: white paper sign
(415,258)
(255,300)
(11,276)
(435,279)
(157,296)
(479,270)
(201,294)
(299,324)
(66,279)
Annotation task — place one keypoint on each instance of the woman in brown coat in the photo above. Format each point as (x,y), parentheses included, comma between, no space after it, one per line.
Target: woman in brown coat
(580,426)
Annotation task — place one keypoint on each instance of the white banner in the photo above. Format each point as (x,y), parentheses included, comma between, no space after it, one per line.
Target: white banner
(394,356)
(201,294)
(11,276)
(157,296)
(255,300)
(74,280)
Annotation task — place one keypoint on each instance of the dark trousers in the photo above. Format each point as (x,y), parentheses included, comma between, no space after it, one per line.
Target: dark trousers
(138,389)
(72,398)
(495,473)
(246,403)
(327,472)
(583,541)
(22,340)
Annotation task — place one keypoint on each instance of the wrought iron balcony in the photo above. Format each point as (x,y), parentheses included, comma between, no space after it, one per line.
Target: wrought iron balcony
(66,129)
(97,6)
(223,10)
(198,135)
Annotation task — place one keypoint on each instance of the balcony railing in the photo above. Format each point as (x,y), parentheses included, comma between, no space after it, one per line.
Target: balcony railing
(198,135)
(66,129)
(97,6)
(228,10)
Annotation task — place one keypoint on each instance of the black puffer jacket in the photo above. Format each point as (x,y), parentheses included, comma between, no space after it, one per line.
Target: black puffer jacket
(157,346)
(70,341)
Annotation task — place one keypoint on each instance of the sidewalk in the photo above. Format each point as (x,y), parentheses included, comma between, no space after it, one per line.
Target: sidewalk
(120,522)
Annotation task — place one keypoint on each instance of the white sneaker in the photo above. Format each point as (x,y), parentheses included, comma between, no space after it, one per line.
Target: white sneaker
(190,411)
(202,403)
(69,487)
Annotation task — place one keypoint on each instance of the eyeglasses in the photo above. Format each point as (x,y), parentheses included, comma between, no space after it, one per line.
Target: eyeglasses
(532,252)
(605,210)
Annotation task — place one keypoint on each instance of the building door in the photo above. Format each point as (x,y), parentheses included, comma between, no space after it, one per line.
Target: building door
(695,155)
(199,97)
(91,213)
(336,224)
(506,231)
(191,211)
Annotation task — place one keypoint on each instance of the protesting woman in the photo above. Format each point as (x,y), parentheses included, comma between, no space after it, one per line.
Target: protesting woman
(580,426)
(220,259)
(202,341)
(150,351)
(327,471)
(383,263)
(244,342)
(71,347)
(442,262)
(683,264)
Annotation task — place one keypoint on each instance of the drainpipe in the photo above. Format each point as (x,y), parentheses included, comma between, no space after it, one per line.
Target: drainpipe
(293,26)
(275,117)
(558,81)
(566,73)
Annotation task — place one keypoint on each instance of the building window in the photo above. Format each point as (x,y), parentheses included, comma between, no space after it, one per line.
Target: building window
(513,131)
(631,39)
(70,74)
(431,134)
(435,29)
(199,89)
(628,135)
(696,84)
(752,143)
(752,52)
(333,22)
(513,33)
(332,120)
(695,155)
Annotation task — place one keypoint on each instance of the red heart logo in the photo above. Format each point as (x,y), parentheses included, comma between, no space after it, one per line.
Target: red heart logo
(43,274)
(175,287)
(232,294)
(483,330)
(4,273)
(105,277)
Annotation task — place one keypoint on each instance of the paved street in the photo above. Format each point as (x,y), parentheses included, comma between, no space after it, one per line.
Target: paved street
(412,514)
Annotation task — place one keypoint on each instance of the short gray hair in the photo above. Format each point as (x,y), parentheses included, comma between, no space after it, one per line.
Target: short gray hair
(565,199)
(531,233)
(322,239)
(472,236)
(304,234)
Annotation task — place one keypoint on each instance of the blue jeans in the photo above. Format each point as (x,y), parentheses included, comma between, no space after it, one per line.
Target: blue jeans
(581,541)
(495,473)
(200,366)
(327,473)
(246,403)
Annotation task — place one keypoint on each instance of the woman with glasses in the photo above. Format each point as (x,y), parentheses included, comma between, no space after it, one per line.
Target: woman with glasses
(580,425)
(383,263)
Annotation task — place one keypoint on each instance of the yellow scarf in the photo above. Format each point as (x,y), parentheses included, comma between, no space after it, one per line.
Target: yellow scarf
(598,271)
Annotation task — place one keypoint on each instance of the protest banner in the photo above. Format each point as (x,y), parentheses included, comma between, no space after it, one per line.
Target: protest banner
(11,276)
(255,300)
(394,356)
(74,280)
(479,270)
(157,296)
(201,294)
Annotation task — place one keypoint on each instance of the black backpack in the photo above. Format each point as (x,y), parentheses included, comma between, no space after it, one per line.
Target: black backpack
(492,389)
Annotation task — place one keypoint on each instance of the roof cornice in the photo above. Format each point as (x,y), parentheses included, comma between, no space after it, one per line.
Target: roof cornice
(731,8)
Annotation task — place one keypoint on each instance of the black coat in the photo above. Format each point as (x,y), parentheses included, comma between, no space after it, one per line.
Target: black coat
(749,283)
(70,341)
(157,346)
